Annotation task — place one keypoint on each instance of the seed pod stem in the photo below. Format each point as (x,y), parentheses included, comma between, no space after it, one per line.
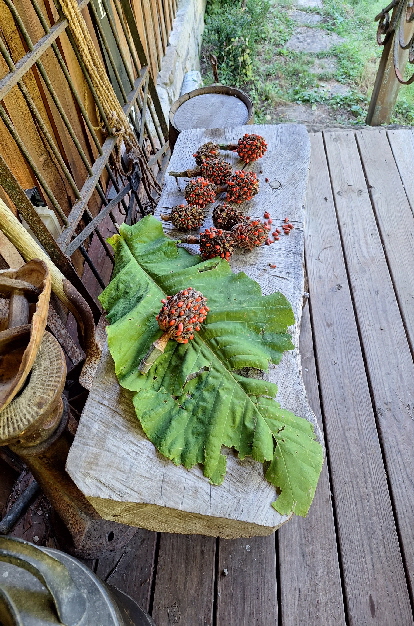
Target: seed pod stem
(190,239)
(228,146)
(156,349)
(187,173)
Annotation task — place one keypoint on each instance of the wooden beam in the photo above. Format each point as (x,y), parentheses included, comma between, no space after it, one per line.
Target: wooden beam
(387,86)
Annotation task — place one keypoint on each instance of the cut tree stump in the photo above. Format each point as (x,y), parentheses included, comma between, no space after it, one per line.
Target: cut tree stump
(114,465)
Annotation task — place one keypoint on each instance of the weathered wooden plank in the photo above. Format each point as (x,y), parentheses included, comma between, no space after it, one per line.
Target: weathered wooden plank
(394,216)
(184,591)
(309,573)
(386,350)
(123,475)
(162,25)
(139,21)
(149,29)
(372,569)
(55,75)
(402,146)
(131,569)
(156,31)
(24,123)
(246,584)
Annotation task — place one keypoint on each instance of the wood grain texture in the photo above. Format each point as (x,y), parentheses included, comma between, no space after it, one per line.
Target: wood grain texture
(24,123)
(131,569)
(247,576)
(387,353)
(394,216)
(62,90)
(402,146)
(372,569)
(119,470)
(184,592)
(309,572)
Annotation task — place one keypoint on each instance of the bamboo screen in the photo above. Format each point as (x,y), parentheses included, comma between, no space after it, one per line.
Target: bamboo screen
(58,150)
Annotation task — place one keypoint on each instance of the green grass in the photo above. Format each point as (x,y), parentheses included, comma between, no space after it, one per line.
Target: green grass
(249,40)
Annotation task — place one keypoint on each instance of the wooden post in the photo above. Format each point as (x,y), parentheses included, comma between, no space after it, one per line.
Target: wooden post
(386,88)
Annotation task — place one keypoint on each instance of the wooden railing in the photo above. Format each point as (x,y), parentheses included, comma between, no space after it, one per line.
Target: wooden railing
(396,34)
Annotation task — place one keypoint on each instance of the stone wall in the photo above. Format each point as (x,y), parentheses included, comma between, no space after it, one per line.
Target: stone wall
(183,52)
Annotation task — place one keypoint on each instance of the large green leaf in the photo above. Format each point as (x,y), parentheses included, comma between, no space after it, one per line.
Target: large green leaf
(194,399)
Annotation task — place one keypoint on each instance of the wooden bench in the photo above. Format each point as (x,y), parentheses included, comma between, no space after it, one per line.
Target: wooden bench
(113,463)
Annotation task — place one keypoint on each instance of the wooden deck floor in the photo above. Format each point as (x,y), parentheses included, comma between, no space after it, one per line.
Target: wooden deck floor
(351,561)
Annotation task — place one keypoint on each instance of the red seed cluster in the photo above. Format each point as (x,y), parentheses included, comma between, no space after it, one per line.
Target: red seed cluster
(206,151)
(200,192)
(187,217)
(216,170)
(226,216)
(251,147)
(251,234)
(216,242)
(182,314)
(242,186)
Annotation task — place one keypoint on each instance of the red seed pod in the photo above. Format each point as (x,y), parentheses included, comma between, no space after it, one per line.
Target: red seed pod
(200,192)
(186,301)
(251,147)
(242,186)
(216,242)
(248,235)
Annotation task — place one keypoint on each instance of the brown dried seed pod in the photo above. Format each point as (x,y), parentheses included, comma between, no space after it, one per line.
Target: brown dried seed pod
(187,216)
(249,235)
(216,170)
(206,151)
(216,242)
(226,216)
(200,192)
(242,186)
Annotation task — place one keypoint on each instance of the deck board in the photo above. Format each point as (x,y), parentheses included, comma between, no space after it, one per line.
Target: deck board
(247,575)
(387,355)
(394,216)
(309,570)
(372,568)
(184,590)
(132,568)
